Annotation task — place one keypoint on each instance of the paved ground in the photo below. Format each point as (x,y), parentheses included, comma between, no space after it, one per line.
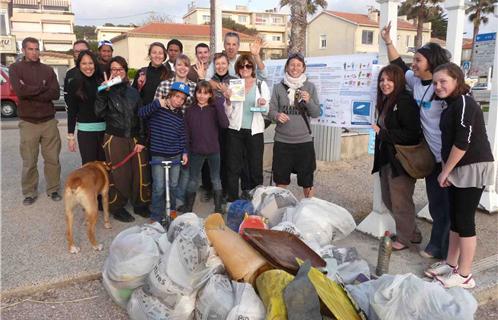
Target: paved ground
(34,253)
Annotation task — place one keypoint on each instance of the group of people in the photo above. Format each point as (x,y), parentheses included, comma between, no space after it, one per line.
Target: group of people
(179,111)
(440,110)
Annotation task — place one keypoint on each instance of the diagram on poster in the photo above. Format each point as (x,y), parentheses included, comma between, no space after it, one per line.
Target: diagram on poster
(346,87)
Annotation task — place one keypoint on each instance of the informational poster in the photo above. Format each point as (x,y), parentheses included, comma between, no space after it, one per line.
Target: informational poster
(237,86)
(346,87)
(484,52)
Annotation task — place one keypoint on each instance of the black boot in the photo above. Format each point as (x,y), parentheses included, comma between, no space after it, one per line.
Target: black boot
(218,201)
(189,202)
(123,215)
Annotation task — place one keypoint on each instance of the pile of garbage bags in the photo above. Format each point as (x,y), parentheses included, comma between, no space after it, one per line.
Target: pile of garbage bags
(204,269)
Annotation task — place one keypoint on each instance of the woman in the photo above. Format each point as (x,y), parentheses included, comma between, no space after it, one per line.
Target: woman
(293,102)
(221,77)
(124,144)
(244,137)
(81,96)
(467,169)
(148,78)
(398,122)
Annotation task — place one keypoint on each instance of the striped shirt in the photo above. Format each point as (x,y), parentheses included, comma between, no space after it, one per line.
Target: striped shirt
(164,86)
(167,129)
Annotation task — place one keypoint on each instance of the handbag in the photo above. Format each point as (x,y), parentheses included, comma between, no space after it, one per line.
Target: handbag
(417,160)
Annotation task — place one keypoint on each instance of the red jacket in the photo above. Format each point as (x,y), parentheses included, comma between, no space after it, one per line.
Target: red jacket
(36,86)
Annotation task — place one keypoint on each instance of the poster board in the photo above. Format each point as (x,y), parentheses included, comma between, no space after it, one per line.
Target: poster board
(484,52)
(346,86)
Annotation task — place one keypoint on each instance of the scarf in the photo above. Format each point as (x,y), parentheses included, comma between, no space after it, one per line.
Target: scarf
(293,84)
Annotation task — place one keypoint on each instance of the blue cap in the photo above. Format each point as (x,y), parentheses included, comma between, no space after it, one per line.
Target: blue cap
(180,86)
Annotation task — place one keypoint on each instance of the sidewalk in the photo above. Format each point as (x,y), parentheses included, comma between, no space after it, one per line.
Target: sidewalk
(34,253)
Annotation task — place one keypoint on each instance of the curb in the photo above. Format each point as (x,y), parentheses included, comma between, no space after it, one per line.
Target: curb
(31,289)
(487,270)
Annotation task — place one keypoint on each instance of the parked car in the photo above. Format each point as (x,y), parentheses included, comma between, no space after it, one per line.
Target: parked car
(10,101)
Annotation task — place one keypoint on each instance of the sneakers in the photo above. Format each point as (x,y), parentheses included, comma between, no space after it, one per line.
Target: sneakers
(55,196)
(29,201)
(439,269)
(456,280)
(142,211)
(425,254)
(123,215)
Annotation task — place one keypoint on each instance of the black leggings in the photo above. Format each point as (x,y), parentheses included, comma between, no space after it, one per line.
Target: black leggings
(463,206)
(90,145)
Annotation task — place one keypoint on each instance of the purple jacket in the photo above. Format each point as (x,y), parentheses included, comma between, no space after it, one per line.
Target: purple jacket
(203,126)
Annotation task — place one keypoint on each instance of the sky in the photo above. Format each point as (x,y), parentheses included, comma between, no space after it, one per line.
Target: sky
(98,12)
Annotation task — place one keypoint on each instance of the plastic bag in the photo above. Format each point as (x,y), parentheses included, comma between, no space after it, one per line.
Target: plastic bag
(215,299)
(271,203)
(289,227)
(271,285)
(236,213)
(254,222)
(248,305)
(322,221)
(119,292)
(181,222)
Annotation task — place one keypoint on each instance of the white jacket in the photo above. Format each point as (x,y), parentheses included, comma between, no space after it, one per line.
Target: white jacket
(234,111)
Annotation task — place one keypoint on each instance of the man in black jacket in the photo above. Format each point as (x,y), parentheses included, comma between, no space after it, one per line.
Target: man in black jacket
(78,46)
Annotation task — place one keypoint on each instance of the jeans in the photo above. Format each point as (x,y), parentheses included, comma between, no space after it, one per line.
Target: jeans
(439,208)
(196,162)
(159,187)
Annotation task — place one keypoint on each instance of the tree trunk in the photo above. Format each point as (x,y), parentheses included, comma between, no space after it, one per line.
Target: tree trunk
(475,32)
(420,24)
(212,34)
(298,21)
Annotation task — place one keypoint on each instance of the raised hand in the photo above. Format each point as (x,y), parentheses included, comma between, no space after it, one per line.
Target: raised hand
(255,47)
(200,68)
(385,33)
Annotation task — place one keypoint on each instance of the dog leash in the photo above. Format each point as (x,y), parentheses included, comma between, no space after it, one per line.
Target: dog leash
(125,160)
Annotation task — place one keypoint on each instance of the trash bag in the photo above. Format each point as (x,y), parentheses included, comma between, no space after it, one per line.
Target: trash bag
(409,297)
(289,227)
(145,306)
(120,292)
(242,262)
(271,203)
(215,299)
(181,222)
(164,244)
(301,299)
(322,221)
(236,213)
(271,285)
(247,304)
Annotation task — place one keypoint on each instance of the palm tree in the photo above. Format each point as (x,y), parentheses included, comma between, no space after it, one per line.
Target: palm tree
(422,11)
(478,11)
(299,14)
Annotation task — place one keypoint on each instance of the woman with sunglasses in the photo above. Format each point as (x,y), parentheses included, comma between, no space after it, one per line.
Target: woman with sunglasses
(294,100)
(124,144)
(244,138)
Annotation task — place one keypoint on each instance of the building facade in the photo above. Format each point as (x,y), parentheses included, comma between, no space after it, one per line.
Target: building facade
(134,44)
(50,21)
(341,33)
(8,48)
(107,33)
(271,25)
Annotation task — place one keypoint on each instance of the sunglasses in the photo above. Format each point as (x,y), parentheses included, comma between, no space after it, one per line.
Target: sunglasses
(246,66)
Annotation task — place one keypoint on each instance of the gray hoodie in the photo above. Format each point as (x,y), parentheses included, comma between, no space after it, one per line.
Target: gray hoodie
(294,130)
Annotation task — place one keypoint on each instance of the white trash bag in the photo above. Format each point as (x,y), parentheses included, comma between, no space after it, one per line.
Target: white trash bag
(215,299)
(248,305)
(322,221)
(120,291)
(289,227)
(181,222)
(271,203)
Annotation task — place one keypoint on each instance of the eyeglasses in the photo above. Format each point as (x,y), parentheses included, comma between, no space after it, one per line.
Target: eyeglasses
(246,66)
(117,69)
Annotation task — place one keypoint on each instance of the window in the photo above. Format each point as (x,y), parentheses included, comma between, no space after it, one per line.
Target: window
(206,18)
(408,41)
(242,19)
(277,20)
(56,27)
(261,19)
(323,41)
(3,24)
(276,38)
(367,37)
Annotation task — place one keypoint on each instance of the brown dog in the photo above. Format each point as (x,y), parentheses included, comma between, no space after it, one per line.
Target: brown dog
(82,186)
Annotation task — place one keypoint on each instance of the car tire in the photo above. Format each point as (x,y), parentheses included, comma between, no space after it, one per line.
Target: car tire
(9,109)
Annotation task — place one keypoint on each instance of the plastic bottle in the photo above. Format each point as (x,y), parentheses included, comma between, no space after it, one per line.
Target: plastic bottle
(385,249)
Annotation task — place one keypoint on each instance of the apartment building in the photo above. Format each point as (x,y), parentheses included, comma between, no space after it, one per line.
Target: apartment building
(50,21)
(107,33)
(271,25)
(8,50)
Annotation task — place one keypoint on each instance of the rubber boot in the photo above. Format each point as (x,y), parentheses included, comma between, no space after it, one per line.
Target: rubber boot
(218,201)
(189,201)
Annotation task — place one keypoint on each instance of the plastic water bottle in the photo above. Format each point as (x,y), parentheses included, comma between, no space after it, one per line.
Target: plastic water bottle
(385,249)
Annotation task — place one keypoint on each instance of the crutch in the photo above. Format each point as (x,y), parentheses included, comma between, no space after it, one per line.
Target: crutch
(167,164)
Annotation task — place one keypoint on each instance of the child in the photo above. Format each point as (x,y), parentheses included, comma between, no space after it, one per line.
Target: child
(203,121)
(167,134)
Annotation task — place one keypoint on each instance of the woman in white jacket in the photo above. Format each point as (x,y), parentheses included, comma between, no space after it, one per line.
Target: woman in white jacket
(244,140)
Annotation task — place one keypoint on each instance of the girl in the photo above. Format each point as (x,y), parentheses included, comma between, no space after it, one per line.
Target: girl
(467,169)
(293,102)
(203,121)
(398,122)
(182,67)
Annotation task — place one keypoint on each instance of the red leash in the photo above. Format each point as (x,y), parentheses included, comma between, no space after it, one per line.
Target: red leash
(125,160)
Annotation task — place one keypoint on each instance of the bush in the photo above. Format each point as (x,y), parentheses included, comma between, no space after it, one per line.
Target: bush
(132,73)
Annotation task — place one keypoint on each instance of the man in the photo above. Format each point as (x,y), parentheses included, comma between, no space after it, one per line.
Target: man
(78,46)
(231,43)
(173,48)
(198,70)
(105,55)
(36,86)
